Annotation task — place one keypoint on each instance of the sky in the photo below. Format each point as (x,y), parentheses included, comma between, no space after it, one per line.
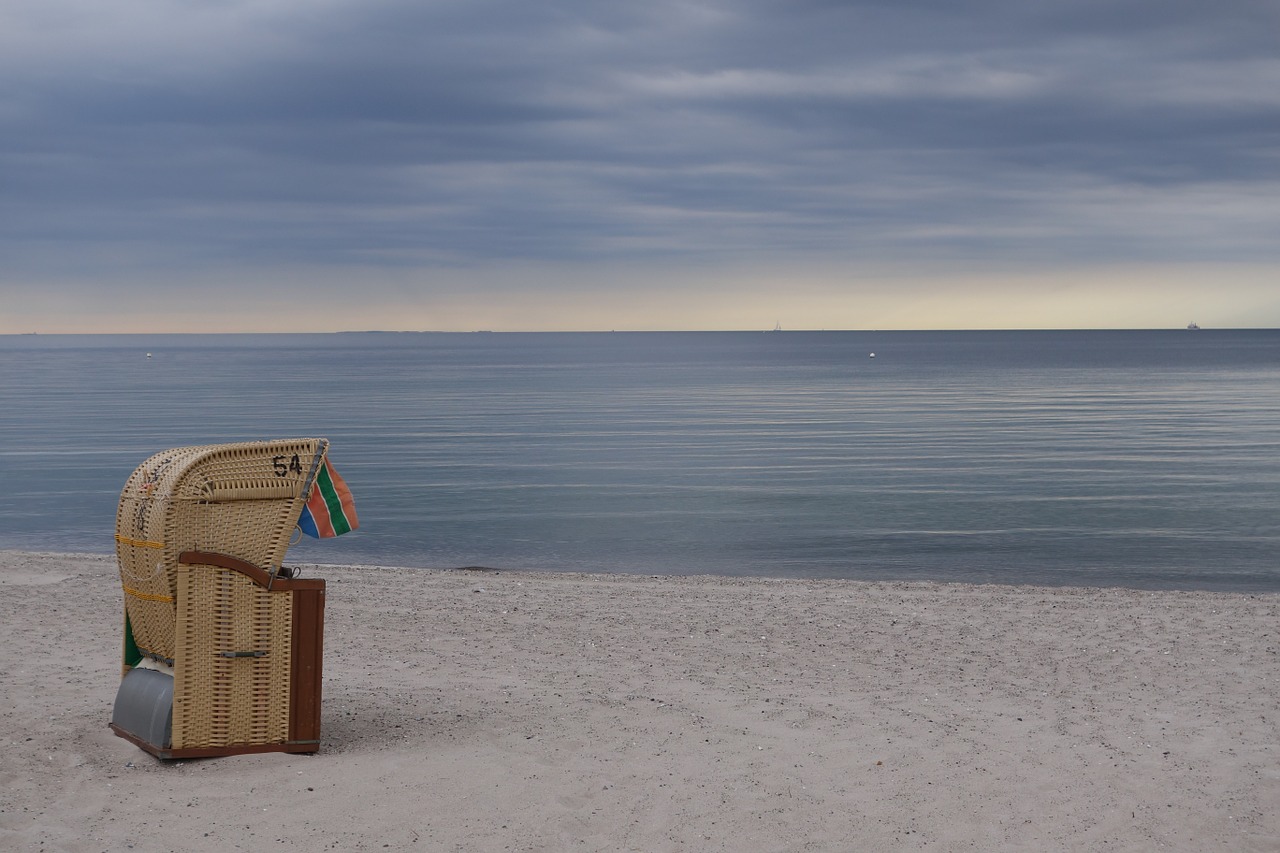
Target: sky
(323,165)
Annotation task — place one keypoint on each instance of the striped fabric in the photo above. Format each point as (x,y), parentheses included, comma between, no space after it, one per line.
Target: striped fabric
(330,510)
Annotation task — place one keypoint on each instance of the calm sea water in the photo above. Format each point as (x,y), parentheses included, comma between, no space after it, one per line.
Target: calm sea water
(1143,459)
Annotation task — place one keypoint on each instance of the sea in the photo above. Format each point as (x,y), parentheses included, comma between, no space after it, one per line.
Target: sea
(1143,459)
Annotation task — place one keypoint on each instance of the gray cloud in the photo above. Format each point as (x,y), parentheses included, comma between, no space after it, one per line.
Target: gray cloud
(404,133)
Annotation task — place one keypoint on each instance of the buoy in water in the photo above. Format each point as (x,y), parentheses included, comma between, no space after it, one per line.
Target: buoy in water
(873,355)
(148,355)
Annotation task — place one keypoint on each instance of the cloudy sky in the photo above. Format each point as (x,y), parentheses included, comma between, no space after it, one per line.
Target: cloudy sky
(513,164)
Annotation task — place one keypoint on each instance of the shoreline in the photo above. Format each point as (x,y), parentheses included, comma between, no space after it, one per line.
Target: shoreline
(481,710)
(1216,587)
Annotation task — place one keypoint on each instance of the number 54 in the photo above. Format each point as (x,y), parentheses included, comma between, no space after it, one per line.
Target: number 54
(282,468)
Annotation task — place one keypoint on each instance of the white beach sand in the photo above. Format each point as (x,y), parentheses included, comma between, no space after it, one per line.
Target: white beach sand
(529,712)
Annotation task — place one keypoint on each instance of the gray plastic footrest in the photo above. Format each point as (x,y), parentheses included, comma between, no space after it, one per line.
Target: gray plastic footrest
(144,706)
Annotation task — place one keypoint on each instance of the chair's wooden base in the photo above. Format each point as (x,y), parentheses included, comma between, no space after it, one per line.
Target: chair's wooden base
(168,753)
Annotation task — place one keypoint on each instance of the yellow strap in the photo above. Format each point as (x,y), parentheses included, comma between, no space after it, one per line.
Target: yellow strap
(148,596)
(141,543)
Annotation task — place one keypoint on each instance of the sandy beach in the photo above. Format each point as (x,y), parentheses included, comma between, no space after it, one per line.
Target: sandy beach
(478,710)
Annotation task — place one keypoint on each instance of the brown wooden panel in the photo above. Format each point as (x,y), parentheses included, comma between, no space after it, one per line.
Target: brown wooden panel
(308,652)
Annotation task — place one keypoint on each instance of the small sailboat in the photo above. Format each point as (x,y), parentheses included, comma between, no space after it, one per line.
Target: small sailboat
(777,327)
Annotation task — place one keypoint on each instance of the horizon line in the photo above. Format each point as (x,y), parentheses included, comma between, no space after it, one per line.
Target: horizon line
(648,331)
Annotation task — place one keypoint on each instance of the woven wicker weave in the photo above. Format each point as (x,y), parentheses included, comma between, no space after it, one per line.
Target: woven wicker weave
(227,630)
(220,700)
(237,499)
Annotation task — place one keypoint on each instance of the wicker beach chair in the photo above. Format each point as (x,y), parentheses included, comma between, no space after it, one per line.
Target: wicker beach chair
(222,649)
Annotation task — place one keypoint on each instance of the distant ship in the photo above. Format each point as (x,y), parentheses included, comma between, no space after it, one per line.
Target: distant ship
(1193,326)
(777,327)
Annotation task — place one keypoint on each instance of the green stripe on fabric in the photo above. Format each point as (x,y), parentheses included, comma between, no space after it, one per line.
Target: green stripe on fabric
(329,492)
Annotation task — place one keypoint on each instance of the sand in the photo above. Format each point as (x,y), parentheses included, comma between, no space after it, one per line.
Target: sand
(519,711)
